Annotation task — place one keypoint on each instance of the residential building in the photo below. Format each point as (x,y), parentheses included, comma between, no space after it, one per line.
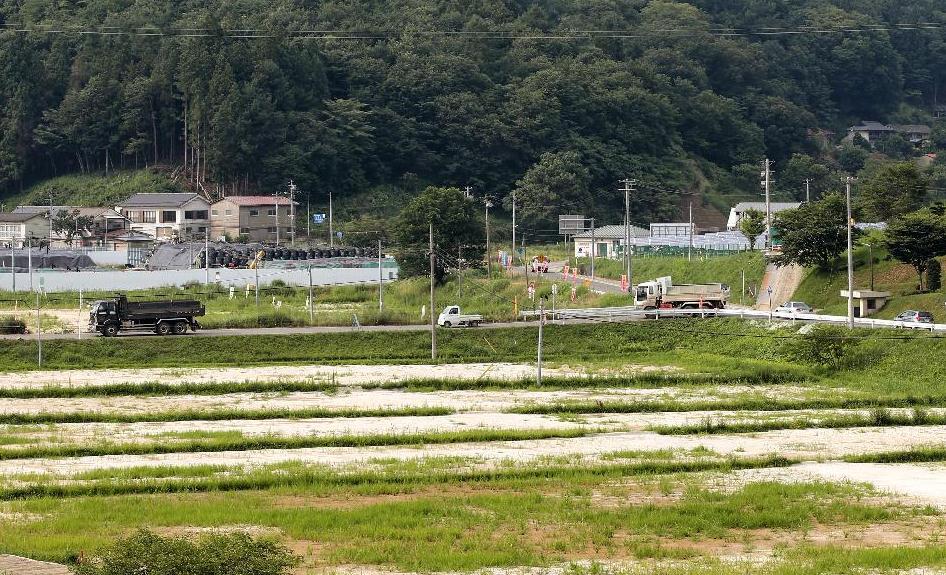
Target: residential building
(735,214)
(609,241)
(256,218)
(18,230)
(873,131)
(167,216)
(104,221)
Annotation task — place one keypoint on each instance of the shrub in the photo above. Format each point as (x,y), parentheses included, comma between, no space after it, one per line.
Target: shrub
(10,324)
(825,345)
(934,275)
(212,554)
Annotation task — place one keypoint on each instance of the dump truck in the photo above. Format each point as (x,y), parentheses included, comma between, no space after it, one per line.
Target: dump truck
(451,316)
(110,316)
(663,294)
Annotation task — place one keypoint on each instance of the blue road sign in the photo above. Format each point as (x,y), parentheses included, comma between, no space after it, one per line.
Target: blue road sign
(318,218)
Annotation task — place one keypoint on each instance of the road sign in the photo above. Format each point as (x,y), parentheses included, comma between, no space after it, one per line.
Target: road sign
(554,289)
(318,218)
(338,235)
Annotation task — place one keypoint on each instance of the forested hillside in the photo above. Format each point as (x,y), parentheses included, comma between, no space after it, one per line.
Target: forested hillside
(383,97)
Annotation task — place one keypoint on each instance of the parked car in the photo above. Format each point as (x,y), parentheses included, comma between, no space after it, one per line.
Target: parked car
(914,316)
(792,308)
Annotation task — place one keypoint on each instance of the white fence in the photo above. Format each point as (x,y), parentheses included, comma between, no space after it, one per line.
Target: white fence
(57,281)
(631,313)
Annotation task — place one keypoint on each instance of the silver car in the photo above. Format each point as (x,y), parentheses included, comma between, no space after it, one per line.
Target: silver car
(914,316)
(792,308)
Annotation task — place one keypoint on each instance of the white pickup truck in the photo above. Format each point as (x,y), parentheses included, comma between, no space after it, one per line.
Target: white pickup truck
(451,317)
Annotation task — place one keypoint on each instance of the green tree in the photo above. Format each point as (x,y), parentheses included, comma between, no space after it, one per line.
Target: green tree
(851,158)
(801,167)
(915,239)
(934,275)
(892,190)
(72,224)
(556,184)
(815,234)
(752,225)
(895,146)
(457,230)
(147,552)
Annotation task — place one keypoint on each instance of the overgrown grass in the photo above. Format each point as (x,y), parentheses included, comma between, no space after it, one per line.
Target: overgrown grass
(154,388)
(746,403)
(927,454)
(250,443)
(214,415)
(530,517)
(876,418)
(93,189)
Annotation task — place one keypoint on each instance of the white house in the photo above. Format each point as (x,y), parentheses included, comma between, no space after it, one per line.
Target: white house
(17,228)
(609,241)
(735,214)
(167,215)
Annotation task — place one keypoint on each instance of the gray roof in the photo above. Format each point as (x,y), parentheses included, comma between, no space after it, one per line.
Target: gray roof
(614,232)
(84,211)
(871,126)
(913,128)
(12,217)
(158,200)
(775,206)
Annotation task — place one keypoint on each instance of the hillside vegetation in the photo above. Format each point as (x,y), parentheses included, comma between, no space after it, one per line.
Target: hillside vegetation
(556,99)
(93,190)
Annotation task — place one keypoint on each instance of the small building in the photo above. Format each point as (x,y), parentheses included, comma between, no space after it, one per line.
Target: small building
(167,216)
(873,131)
(21,229)
(608,240)
(255,218)
(867,302)
(104,222)
(735,214)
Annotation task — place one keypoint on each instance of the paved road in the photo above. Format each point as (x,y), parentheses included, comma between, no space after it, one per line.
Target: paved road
(258,331)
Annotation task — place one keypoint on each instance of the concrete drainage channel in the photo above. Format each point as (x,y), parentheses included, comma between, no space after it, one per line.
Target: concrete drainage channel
(13,565)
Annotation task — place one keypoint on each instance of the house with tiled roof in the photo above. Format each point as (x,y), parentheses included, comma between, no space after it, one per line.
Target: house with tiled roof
(167,216)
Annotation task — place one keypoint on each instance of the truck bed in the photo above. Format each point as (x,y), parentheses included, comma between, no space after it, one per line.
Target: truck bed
(160,309)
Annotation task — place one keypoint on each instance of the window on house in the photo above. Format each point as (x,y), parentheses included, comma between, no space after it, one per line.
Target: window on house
(149,217)
(254,212)
(168,216)
(215,212)
(244,231)
(271,212)
(228,212)
(272,230)
(195,215)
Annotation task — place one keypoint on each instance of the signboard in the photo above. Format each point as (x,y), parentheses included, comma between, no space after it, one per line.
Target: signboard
(338,235)
(318,218)
(571,224)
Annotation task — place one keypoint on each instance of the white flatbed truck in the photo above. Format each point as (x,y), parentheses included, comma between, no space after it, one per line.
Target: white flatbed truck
(451,317)
(663,294)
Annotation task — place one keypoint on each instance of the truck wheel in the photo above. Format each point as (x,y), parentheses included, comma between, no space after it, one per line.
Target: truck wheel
(110,330)
(180,328)
(446,324)
(163,328)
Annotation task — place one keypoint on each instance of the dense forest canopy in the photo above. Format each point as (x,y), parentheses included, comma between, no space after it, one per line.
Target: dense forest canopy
(493,94)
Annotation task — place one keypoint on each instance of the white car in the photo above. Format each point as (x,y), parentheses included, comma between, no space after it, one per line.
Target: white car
(791,308)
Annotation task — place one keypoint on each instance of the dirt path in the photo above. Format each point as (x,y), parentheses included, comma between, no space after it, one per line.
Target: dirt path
(13,565)
(784,281)
(339,374)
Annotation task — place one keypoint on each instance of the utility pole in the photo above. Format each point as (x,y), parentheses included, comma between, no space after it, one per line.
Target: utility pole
(459,271)
(489,258)
(207,257)
(331,231)
(380,278)
(50,219)
(433,321)
(628,188)
(13,267)
(690,233)
(513,254)
(807,190)
(308,217)
(767,185)
(850,255)
(593,246)
(276,198)
(870,256)
(311,299)
(468,192)
(538,374)
(39,335)
(292,212)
